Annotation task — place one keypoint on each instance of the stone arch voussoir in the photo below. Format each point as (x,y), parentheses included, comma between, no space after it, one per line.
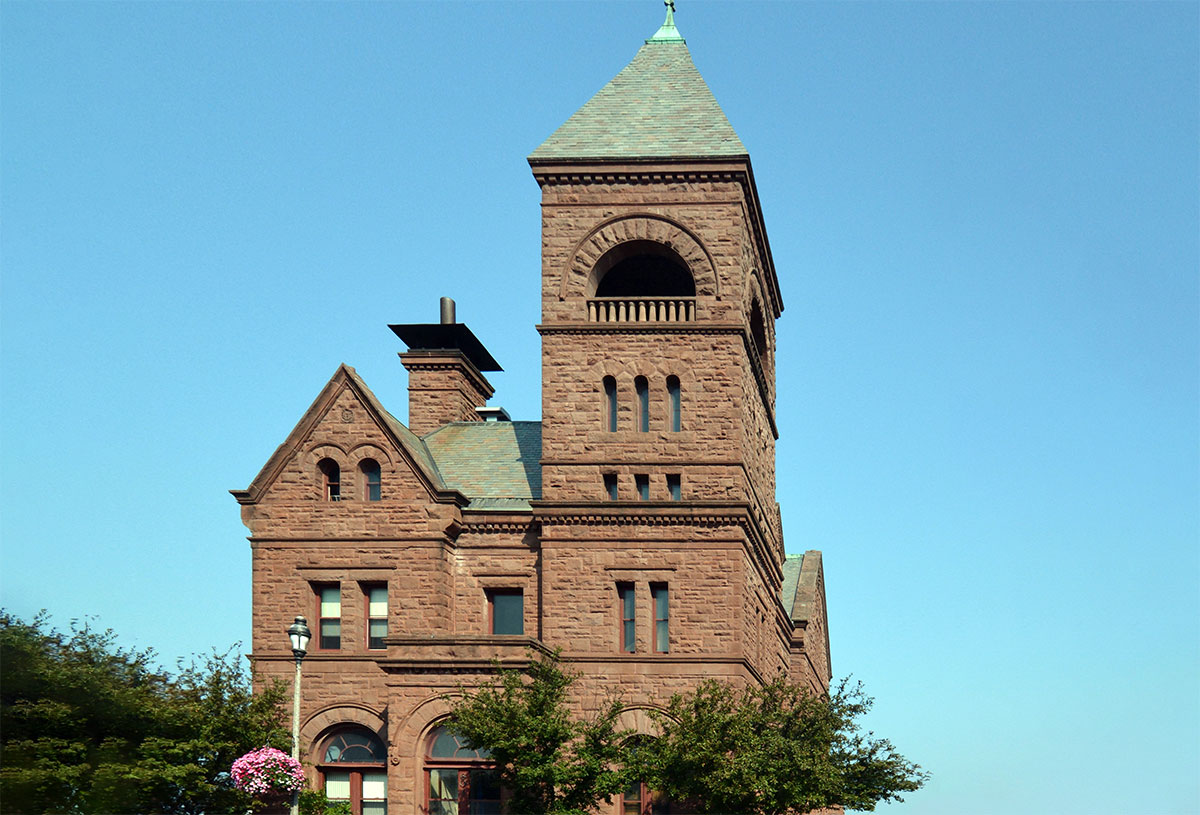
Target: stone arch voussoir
(638,226)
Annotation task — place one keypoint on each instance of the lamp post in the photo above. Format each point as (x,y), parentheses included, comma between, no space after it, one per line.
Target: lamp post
(298,636)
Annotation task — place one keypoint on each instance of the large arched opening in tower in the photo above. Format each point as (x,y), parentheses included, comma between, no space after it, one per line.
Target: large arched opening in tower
(642,269)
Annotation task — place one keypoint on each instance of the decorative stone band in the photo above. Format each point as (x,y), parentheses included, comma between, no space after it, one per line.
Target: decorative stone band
(491,527)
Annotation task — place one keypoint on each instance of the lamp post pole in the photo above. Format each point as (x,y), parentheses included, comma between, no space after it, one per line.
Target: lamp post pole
(298,637)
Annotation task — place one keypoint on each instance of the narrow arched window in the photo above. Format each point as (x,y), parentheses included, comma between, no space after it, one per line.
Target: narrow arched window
(372,479)
(673,396)
(459,779)
(758,329)
(353,769)
(331,475)
(610,403)
(643,403)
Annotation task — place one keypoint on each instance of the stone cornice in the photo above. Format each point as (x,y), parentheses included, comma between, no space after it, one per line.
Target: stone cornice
(555,173)
(458,654)
(447,360)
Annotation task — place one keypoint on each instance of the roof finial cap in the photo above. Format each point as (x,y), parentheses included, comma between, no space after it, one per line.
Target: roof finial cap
(667,32)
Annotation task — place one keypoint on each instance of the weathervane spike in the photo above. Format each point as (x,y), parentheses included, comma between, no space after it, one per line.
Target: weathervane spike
(667,32)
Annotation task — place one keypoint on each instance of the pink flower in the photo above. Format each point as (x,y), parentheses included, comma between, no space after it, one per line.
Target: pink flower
(267,772)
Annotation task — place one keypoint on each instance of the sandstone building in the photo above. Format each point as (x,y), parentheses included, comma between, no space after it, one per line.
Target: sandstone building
(635,526)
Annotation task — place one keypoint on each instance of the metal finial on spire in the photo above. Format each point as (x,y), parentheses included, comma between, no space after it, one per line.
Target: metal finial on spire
(667,32)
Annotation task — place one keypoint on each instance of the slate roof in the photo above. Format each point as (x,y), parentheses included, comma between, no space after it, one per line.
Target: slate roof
(792,564)
(497,465)
(657,107)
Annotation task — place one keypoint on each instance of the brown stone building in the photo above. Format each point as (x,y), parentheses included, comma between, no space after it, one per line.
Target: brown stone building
(635,526)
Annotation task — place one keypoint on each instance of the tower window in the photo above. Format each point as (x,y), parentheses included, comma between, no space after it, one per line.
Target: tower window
(331,475)
(610,486)
(372,479)
(642,482)
(674,487)
(673,396)
(643,269)
(610,403)
(643,403)
(758,328)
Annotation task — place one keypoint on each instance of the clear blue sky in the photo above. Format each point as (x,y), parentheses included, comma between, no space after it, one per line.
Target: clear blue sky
(984,217)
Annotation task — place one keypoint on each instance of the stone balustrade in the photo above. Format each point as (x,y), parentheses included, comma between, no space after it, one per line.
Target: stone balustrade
(641,309)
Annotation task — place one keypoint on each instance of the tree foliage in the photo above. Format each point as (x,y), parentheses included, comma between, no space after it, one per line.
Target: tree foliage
(86,726)
(774,749)
(549,761)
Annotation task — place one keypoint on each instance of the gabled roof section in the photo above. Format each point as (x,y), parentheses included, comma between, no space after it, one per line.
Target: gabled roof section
(497,465)
(803,589)
(344,377)
(792,564)
(657,107)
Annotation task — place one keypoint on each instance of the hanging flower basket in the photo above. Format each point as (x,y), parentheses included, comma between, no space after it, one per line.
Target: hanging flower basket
(268,774)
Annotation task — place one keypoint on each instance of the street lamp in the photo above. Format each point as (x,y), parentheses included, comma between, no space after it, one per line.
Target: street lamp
(298,636)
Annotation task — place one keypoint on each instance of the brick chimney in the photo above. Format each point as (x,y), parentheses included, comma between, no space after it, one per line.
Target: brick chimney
(445,362)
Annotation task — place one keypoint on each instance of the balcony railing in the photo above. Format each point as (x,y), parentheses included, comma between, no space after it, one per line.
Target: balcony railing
(641,309)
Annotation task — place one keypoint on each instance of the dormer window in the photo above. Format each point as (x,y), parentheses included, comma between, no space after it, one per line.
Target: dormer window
(331,475)
(372,479)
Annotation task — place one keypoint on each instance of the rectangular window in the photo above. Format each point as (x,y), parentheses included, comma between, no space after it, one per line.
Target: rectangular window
(643,486)
(675,487)
(329,617)
(377,615)
(610,486)
(627,606)
(374,793)
(454,791)
(506,608)
(658,593)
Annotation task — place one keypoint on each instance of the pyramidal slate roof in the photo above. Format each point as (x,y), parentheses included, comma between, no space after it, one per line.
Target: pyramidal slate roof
(657,107)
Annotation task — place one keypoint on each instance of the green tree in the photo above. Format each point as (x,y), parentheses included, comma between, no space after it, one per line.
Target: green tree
(773,749)
(86,726)
(549,761)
